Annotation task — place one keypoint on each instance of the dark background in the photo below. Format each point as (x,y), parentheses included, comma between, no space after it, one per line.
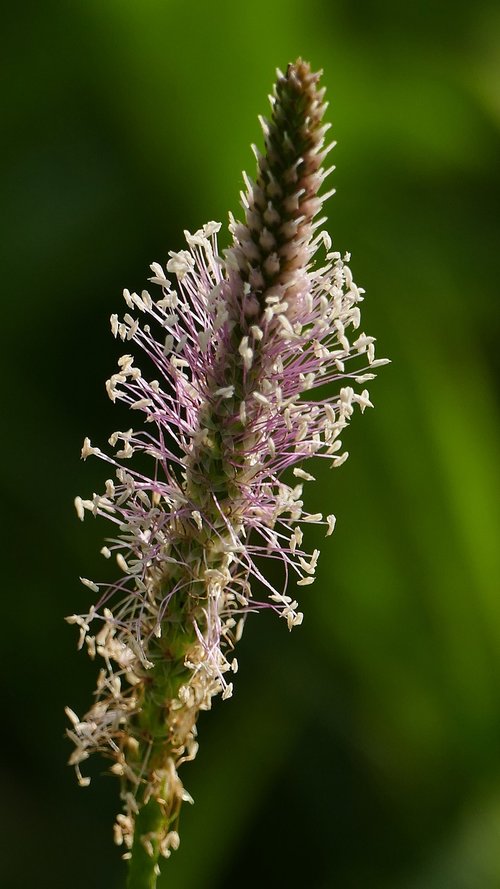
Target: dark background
(362,750)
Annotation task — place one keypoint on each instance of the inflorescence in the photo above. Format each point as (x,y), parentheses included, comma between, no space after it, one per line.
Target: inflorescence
(239,344)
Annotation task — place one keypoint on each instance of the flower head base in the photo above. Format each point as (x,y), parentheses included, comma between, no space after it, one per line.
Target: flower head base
(238,345)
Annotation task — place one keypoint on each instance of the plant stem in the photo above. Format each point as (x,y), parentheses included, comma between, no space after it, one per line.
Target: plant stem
(142,866)
(151,724)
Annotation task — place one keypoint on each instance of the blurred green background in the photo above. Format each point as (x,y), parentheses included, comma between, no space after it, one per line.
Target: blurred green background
(364,749)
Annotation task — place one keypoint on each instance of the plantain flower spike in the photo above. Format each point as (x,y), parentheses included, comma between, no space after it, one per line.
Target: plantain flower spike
(238,344)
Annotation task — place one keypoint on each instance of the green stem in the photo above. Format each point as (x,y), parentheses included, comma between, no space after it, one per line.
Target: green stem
(161,686)
(142,866)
